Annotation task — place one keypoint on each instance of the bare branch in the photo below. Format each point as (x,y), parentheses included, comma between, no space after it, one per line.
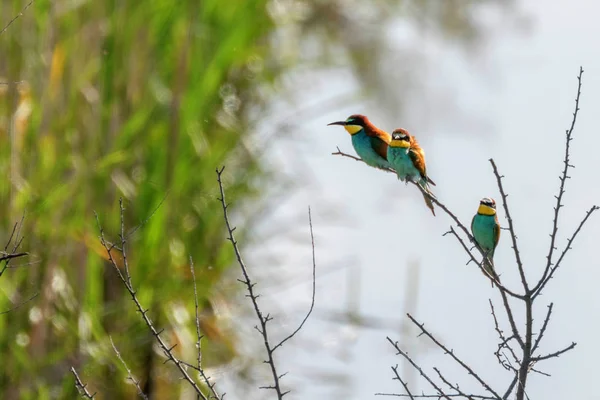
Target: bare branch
(4,257)
(262,319)
(503,292)
(436,396)
(495,279)
(555,354)
(543,329)
(129,374)
(441,394)
(198,367)
(453,356)
(504,344)
(14,242)
(553,269)
(16,17)
(340,153)
(81,388)
(314,282)
(126,279)
(395,369)
(561,190)
(457,389)
(511,387)
(20,304)
(198,334)
(513,235)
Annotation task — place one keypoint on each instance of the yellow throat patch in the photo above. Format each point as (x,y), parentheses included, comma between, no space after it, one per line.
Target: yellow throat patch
(400,143)
(352,129)
(486,210)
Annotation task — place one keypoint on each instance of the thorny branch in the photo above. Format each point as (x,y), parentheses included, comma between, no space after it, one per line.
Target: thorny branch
(520,363)
(198,366)
(453,356)
(513,235)
(263,319)
(504,344)
(130,376)
(126,279)
(553,269)
(561,190)
(81,388)
(13,243)
(441,394)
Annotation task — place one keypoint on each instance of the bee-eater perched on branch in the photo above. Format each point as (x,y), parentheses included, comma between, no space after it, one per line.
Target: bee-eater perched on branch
(407,158)
(486,232)
(370,142)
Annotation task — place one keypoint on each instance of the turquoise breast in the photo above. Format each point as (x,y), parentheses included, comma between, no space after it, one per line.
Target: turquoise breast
(483,231)
(364,149)
(400,161)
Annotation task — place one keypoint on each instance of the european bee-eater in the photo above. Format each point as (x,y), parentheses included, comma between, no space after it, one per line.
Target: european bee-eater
(486,231)
(370,142)
(407,158)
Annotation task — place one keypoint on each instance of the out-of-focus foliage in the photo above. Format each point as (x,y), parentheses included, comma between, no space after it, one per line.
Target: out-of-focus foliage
(143,100)
(140,100)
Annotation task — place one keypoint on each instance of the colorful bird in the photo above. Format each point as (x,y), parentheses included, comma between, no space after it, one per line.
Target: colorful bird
(486,231)
(370,142)
(407,158)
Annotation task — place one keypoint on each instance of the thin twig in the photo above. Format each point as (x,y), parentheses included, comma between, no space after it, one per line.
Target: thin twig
(555,354)
(564,252)
(433,199)
(263,320)
(199,337)
(507,308)
(314,280)
(129,374)
(441,393)
(410,395)
(16,17)
(453,356)
(20,304)
(503,288)
(340,153)
(436,396)
(126,279)
(456,388)
(561,190)
(543,329)
(81,388)
(513,235)
(504,343)
(198,334)
(7,255)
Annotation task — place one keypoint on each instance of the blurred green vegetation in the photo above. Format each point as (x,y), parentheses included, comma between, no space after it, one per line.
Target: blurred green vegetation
(143,100)
(118,99)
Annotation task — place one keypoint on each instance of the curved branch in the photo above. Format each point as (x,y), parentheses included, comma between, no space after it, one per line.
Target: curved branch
(314,283)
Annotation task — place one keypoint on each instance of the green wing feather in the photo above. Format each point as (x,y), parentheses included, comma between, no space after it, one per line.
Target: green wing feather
(418,160)
(379,146)
(496,232)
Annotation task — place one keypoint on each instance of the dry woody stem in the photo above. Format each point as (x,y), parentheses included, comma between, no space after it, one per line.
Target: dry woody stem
(264,320)
(517,350)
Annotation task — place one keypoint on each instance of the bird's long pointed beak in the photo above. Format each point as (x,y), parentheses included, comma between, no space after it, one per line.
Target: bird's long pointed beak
(343,123)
